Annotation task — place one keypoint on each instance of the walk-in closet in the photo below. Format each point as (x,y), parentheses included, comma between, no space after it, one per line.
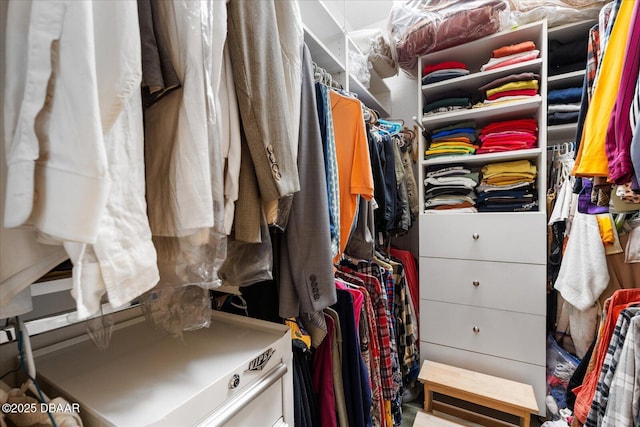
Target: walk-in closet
(319,213)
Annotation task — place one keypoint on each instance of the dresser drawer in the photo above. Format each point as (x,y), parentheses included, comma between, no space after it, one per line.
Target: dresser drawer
(147,378)
(527,373)
(501,285)
(510,237)
(501,333)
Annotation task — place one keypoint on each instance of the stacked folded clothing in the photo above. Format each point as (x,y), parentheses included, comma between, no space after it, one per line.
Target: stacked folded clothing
(512,54)
(446,104)
(507,187)
(456,139)
(513,86)
(563,105)
(450,187)
(508,135)
(443,71)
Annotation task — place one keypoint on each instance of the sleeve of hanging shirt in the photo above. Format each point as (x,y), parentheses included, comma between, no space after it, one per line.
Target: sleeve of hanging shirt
(57,167)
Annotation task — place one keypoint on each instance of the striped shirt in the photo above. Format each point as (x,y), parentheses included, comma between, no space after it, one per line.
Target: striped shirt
(601,396)
(634,110)
(624,395)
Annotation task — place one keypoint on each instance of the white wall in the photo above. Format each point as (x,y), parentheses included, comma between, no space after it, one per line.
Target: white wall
(362,14)
(404,105)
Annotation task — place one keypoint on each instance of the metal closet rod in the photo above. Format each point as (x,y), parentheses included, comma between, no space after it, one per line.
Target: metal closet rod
(42,325)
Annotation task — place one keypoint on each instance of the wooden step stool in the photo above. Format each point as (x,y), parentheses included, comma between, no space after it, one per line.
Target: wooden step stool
(503,395)
(424,419)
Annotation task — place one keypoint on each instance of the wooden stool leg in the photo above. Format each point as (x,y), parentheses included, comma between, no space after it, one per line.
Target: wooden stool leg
(428,399)
(525,420)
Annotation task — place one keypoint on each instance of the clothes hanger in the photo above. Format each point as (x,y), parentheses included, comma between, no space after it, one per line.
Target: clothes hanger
(393,128)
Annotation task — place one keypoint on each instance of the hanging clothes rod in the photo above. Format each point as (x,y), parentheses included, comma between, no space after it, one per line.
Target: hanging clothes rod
(416,121)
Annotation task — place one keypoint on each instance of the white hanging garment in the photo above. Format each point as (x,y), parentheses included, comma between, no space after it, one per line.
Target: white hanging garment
(583,275)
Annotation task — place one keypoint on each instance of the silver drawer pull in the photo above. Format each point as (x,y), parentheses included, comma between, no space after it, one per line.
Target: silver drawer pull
(476,329)
(475,236)
(476,283)
(243,397)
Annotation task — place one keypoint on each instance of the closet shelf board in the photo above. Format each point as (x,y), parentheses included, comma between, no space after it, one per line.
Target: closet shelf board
(367,97)
(323,23)
(478,159)
(571,31)
(574,76)
(321,54)
(510,110)
(472,81)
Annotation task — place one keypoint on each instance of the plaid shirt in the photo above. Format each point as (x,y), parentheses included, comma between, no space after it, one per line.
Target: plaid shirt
(385,277)
(407,343)
(593,58)
(601,396)
(371,327)
(379,302)
(396,403)
(624,395)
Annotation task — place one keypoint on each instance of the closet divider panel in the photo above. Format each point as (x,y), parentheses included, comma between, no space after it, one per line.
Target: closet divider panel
(483,274)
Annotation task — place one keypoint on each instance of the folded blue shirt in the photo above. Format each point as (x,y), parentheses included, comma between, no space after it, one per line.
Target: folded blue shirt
(564,96)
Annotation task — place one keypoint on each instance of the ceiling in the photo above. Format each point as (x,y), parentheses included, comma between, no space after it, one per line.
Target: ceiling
(361,13)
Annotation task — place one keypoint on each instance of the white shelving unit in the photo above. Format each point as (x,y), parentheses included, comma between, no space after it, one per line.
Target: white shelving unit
(475,54)
(483,275)
(329,43)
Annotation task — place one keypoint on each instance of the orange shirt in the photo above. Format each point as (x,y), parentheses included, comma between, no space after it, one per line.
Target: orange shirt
(354,165)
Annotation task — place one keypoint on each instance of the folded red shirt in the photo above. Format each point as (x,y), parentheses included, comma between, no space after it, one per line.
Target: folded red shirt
(430,68)
(508,125)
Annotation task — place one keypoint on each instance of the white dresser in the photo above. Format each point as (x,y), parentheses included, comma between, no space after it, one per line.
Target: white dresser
(237,372)
(482,294)
(483,275)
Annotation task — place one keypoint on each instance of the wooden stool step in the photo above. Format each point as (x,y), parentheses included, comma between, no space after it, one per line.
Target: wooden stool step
(424,419)
(503,395)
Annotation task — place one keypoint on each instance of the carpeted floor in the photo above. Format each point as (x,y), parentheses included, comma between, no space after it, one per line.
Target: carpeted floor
(409,413)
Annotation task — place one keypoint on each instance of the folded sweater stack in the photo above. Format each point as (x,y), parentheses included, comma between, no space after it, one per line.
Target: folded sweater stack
(508,135)
(443,71)
(512,54)
(456,139)
(511,87)
(507,187)
(445,105)
(450,187)
(563,105)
